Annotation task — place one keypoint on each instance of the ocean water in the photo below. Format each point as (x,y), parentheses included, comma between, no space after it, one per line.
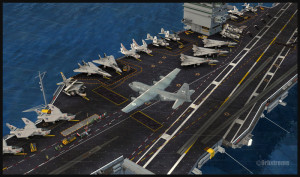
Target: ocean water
(54,37)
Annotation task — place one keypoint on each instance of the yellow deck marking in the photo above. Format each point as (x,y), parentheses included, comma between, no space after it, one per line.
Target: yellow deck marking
(189,148)
(108,98)
(243,78)
(149,118)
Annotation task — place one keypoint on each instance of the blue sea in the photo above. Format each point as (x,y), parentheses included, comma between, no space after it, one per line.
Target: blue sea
(54,37)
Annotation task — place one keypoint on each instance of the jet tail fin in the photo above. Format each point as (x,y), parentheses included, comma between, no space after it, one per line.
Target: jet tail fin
(123,48)
(162,31)
(134,43)
(4,143)
(144,43)
(28,123)
(195,48)
(63,76)
(11,127)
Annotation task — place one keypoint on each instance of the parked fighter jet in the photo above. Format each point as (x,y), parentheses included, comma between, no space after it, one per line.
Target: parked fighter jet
(200,51)
(235,11)
(249,8)
(131,53)
(226,33)
(189,60)
(29,130)
(233,29)
(108,61)
(148,93)
(10,149)
(90,68)
(51,114)
(216,43)
(157,42)
(169,36)
(73,86)
(140,48)
(233,17)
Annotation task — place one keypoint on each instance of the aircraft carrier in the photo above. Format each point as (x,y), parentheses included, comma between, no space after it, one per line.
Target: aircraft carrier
(228,102)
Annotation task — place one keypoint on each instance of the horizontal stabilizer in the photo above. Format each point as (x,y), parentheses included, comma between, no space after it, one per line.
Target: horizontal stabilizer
(177,103)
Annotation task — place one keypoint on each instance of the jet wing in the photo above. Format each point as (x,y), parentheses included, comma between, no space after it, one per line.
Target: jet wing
(166,81)
(201,52)
(81,70)
(145,97)
(187,62)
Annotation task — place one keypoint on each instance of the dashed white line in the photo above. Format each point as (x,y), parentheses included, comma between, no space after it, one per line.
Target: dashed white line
(32,155)
(21,161)
(43,149)
(133,152)
(139,146)
(29,171)
(146,140)
(41,164)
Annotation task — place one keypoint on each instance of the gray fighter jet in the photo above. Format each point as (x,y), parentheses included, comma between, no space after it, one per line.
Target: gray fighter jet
(91,68)
(169,36)
(73,86)
(189,60)
(140,48)
(236,11)
(216,43)
(29,130)
(233,17)
(10,149)
(129,53)
(108,61)
(157,42)
(200,51)
(51,114)
(249,8)
(148,93)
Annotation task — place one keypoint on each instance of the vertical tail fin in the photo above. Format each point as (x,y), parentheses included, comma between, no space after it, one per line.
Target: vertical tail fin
(28,123)
(183,94)
(155,39)
(144,43)
(123,49)
(134,43)
(63,76)
(11,127)
(167,34)
(162,31)
(195,48)
(4,143)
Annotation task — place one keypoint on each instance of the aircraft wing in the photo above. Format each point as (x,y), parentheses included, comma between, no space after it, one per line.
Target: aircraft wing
(201,52)
(145,97)
(166,81)
(81,70)
(187,62)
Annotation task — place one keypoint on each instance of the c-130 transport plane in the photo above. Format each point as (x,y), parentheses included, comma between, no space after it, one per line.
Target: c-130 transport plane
(157,90)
